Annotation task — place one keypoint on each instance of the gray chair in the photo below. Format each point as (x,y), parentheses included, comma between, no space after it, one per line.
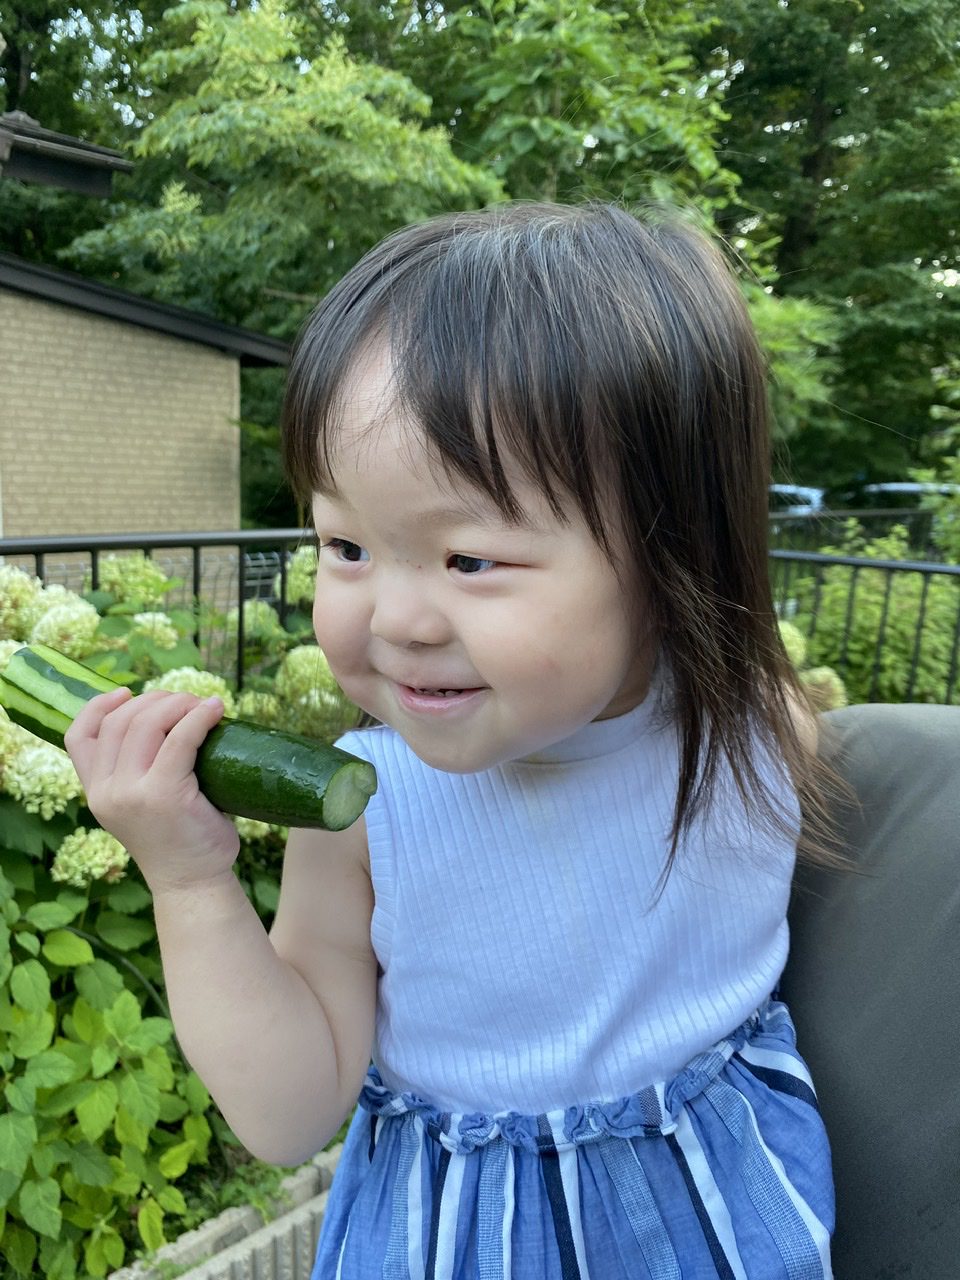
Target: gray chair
(873,983)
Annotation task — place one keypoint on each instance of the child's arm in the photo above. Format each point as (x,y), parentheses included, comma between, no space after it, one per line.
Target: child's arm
(279,1028)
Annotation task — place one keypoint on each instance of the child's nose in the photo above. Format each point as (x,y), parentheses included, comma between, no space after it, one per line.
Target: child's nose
(403,615)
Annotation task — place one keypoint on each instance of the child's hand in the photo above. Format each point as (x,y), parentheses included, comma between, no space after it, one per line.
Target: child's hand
(135,758)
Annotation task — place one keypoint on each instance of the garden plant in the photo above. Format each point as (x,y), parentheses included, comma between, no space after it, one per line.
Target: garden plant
(109,1143)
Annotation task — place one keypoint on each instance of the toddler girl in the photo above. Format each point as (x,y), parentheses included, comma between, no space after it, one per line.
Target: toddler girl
(534,441)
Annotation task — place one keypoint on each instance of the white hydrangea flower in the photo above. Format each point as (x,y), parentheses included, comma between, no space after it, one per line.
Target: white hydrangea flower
(301,576)
(264,708)
(69,628)
(133,578)
(42,778)
(260,621)
(795,643)
(304,671)
(250,829)
(158,627)
(18,590)
(314,703)
(190,680)
(49,598)
(89,855)
(12,741)
(7,649)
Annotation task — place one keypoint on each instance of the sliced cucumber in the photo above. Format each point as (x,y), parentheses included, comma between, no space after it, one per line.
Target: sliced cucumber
(242,768)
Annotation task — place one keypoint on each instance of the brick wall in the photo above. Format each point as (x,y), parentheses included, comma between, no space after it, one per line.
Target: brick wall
(106,427)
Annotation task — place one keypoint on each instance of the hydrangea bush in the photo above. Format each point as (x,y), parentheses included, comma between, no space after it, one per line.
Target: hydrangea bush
(109,1144)
(873,647)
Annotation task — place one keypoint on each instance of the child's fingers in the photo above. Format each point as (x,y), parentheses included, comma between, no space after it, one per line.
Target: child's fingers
(83,735)
(133,736)
(184,738)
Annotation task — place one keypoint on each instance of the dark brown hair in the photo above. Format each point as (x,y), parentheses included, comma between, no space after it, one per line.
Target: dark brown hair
(610,354)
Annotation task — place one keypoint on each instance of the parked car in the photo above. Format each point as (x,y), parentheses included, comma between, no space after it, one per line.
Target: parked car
(795,500)
(887,495)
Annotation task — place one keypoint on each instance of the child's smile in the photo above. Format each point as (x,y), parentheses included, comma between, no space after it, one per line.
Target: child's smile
(478,639)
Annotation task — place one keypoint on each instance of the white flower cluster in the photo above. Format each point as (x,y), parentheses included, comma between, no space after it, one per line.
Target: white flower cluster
(314,703)
(89,855)
(263,708)
(18,591)
(158,628)
(202,683)
(41,777)
(795,643)
(261,622)
(70,628)
(133,579)
(301,576)
(7,649)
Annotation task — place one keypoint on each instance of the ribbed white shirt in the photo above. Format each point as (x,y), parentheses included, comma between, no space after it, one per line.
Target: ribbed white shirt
(528,962)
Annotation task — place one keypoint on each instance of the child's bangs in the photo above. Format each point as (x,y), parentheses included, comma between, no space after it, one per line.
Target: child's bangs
(490,372)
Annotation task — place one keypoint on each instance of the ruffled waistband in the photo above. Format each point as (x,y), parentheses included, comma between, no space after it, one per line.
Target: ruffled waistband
(651,1111)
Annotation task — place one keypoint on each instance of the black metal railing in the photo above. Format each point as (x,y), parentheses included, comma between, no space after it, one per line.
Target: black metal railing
(261,557)
(870,597)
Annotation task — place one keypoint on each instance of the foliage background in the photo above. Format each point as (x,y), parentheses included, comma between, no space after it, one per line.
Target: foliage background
(275,143)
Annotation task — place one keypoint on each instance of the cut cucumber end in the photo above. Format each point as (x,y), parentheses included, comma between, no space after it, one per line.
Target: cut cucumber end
(347,794)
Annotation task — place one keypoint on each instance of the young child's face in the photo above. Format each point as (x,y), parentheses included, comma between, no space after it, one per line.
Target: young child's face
(479,641)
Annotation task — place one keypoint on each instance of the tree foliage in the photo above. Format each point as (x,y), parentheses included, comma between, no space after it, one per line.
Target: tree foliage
(275,144)
(844,128)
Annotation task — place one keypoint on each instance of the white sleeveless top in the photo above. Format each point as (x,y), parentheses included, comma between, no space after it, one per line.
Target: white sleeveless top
(527,960)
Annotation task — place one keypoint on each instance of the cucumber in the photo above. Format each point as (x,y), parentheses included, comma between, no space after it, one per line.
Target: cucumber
(242,767)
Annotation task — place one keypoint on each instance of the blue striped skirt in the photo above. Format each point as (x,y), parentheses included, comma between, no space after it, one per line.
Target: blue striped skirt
(723,1171)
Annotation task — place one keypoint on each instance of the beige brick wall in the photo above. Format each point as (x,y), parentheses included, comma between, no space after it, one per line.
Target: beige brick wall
(107,427)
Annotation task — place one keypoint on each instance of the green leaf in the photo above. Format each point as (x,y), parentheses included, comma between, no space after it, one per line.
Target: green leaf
(31,1034)
(123,1016)
(99,983)
(17,1136)
(19,1247)
(27,939)
(21,1095)
(66,949)
(30,986)
(49,915)
(49,1069)
(97,1110)
(21,830)
(19,870)
(90,1165)
(196,1094)
(56,1260)
(141,1097)
(124,932)
(175,1159)
(171,1200)
(150,1224)
(150,1033)
(86,1023)
(128,1130)
(102,1060)
(172,1108)
(40,1206)
(129,896)
(65,1099)
(9,1182)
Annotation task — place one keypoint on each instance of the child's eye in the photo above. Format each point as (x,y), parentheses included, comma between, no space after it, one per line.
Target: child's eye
(469,564)
(344,550)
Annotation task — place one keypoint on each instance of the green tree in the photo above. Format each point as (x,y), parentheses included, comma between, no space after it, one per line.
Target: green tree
(844,128)
(288,168)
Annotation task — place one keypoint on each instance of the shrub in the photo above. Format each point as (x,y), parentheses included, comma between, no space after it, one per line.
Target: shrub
(109,1143)
(878,646)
